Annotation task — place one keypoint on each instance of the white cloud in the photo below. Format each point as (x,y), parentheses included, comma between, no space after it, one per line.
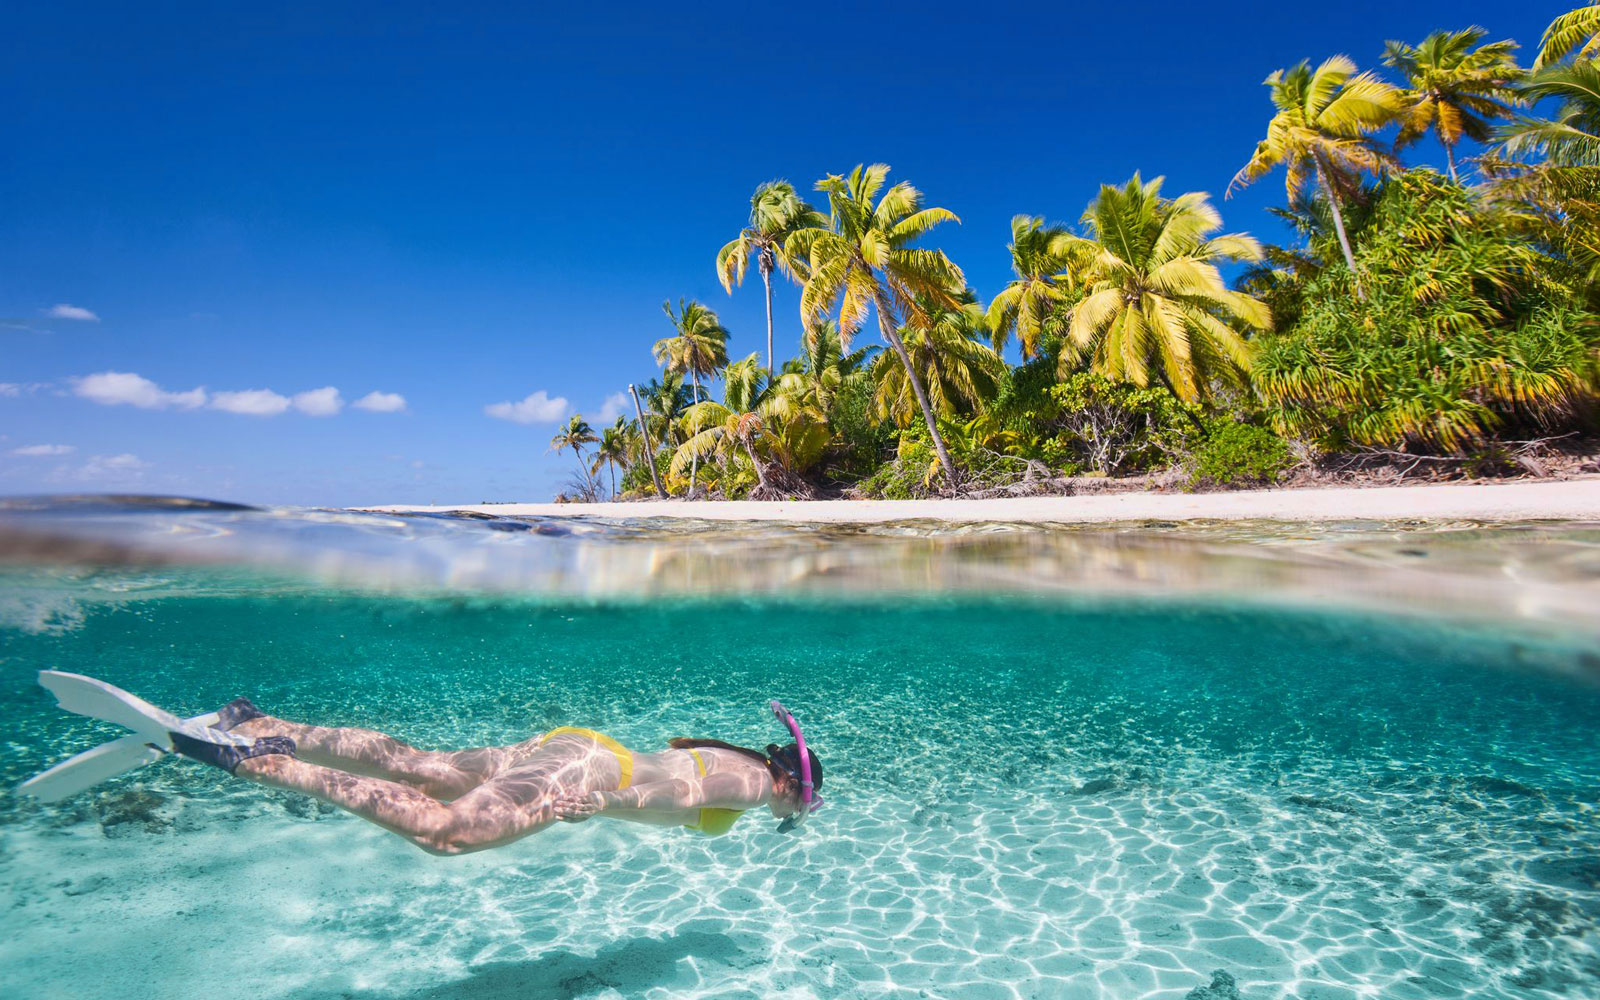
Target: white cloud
(251,402)
(44,449)
(324,402)
(537,408)
(10,389)
(124,468)
(381,402)
(64,311)
(115,388)
(613,407)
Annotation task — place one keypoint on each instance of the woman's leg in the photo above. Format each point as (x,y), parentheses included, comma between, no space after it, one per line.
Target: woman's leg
(439,774)
(512,805)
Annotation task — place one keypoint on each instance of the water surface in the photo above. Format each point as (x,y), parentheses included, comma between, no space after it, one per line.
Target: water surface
(1236,749)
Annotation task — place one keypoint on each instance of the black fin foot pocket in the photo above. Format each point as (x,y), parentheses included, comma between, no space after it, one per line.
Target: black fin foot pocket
(236,711)
(226,756)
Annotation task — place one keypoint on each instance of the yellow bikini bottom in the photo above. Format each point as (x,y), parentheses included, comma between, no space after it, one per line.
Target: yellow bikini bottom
(712,822)
(624,758)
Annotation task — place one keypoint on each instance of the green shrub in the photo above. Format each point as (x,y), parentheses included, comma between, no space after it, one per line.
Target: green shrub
(913,472)
(1119,427)
(1235,454)
(636,479)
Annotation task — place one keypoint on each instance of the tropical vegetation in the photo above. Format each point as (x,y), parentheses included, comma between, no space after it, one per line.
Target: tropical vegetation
(1430,313)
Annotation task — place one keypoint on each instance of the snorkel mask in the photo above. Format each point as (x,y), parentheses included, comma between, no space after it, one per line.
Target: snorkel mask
(810,801)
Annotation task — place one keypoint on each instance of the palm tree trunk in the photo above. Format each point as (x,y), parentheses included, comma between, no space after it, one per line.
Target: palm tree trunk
(1450,158)
(766,279)
(583,470)
(761,474)
(886,326)
(694,456)
(613,480)
(1338,227)
(649,449)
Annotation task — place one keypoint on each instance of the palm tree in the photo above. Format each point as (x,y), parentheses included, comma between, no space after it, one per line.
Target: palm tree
(615,447)
(1572,137)
(1041,257)
(1155,301)
(699,347)
(775,213)
(575,435)
(824,369)
(864,259)
(950,357)
(1321,132)
(665,399)
(1455,91)
(724,429)
(1280,277)
(1578,27)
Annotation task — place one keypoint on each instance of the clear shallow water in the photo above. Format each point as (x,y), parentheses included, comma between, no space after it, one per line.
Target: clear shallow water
(1031,794)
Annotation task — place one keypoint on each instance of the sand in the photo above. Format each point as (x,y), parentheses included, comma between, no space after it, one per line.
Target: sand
(1577,499)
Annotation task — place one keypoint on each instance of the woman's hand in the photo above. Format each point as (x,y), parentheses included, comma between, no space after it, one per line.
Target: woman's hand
(575,807)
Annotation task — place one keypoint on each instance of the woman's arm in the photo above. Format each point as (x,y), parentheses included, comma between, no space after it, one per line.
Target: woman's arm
(723,791)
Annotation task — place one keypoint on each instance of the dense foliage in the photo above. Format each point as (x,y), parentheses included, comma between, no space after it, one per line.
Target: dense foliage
(1438,313)
(1465,333)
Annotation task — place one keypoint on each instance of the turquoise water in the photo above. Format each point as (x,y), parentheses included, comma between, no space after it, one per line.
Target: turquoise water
(1029,796)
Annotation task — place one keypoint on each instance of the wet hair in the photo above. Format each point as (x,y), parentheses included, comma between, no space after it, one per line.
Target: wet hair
(788,758)
(782,761)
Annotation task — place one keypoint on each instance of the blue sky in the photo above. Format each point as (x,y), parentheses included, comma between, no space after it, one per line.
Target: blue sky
(458,208)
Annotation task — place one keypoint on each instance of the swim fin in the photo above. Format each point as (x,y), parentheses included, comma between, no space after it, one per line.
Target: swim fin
(99,700)
(87,769)
(152,728)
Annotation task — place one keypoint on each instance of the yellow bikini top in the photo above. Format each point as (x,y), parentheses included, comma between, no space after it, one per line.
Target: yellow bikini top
(712,822)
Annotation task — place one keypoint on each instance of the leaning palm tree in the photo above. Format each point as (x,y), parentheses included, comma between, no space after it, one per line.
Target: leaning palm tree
(1042,258)
(1321,133)
(698,348)
(615,445)
(1577,29)
(575,435)
(1456,91)
(1155,302)
(949,356)
(864,259)
(775,213)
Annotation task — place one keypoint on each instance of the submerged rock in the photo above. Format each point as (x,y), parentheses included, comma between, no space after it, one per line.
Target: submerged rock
(1223,987)
(1489,784)
(132,807)
(83,887)
(1575,872)
(1328,805)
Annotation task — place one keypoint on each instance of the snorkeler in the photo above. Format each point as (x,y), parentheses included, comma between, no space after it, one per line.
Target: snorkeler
(452,802)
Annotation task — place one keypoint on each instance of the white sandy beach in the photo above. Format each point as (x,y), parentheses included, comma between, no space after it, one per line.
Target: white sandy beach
(1577,499)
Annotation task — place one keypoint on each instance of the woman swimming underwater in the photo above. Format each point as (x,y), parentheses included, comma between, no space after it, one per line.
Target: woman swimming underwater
(455,802)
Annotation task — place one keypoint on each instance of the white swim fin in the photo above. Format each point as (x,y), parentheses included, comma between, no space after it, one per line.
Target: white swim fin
(99,700)
(87,769)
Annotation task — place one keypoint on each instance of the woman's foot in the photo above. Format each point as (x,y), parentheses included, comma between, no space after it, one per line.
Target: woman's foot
(236,711)
(226,756)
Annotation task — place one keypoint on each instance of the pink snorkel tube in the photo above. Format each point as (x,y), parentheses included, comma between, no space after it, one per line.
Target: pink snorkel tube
(810,801)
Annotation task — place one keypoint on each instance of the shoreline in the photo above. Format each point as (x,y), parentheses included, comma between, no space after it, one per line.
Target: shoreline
(1564,500)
